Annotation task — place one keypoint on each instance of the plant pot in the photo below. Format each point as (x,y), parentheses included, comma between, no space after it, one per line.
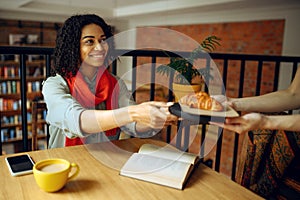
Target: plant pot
(180,90)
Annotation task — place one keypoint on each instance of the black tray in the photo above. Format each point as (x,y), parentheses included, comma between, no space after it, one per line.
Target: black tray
(175,109)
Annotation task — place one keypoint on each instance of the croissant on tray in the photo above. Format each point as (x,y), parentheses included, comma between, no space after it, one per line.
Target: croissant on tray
(201,100)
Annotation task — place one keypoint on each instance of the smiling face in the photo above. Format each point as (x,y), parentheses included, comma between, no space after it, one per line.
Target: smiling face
(93,46)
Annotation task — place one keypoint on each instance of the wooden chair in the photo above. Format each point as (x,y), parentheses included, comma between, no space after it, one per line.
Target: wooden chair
(36,106)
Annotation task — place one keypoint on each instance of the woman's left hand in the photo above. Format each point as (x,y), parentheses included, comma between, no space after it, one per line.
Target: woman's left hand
(243,124)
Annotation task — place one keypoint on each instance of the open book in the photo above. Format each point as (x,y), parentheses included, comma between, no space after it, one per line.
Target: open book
(161,165)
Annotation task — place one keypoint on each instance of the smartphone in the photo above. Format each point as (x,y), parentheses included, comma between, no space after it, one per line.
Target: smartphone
(19,165)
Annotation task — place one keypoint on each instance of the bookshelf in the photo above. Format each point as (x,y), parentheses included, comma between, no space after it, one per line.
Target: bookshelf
(10,102)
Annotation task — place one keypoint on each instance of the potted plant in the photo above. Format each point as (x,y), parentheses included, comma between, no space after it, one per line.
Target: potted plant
(184,70)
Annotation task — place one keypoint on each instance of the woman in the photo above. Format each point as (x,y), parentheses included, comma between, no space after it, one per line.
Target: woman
(273,156)
(87,104)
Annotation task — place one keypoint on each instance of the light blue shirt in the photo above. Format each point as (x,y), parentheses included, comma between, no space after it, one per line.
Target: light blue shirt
(64,112)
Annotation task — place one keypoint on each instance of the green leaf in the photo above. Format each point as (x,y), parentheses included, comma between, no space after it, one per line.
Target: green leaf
(184,66)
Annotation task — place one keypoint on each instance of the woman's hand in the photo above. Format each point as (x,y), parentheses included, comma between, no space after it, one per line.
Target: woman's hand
(224,100)
(152,114)
(243,124)
(232,102)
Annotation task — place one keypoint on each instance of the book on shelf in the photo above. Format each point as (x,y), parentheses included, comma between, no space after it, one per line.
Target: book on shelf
(161,165)
(8,71)
(8,86)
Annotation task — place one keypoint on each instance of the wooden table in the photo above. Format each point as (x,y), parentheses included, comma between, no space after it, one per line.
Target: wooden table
(99,177)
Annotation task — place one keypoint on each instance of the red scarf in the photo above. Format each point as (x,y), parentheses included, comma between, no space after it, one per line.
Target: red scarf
(107,91)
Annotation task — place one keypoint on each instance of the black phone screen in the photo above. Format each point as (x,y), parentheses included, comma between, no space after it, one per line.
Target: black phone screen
(20,163)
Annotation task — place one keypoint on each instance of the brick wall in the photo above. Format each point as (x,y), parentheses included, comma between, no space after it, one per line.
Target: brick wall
(251,37)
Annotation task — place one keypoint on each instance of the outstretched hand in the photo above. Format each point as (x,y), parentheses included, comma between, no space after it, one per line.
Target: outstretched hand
(243,124)
(224,100)
(154,114)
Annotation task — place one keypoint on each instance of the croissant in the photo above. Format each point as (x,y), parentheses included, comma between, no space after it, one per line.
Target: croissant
(201,100)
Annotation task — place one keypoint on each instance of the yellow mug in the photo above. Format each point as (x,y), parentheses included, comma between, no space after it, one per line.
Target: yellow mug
(52,174)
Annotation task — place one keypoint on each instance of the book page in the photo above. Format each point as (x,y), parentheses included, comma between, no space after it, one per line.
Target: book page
(168,153)
(156,170)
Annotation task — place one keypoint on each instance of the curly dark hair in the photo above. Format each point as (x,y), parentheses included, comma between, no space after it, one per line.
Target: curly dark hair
(67,50)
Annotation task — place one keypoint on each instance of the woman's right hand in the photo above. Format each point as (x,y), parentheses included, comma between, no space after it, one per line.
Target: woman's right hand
(152,114)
